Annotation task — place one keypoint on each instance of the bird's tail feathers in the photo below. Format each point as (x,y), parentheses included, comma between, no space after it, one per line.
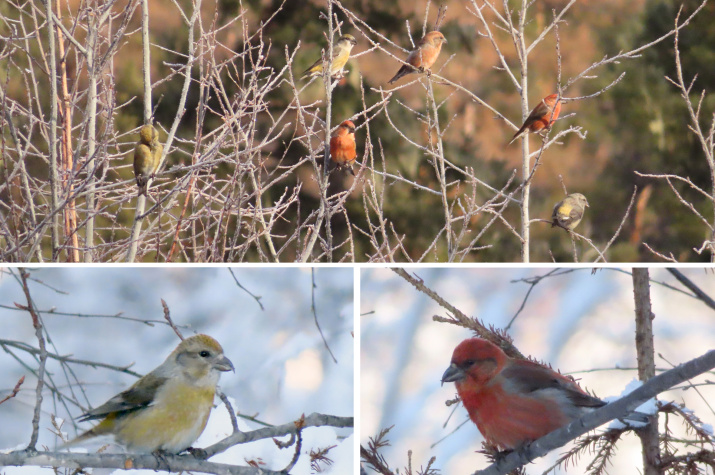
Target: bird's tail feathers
(91,433)
(142,184)
(518,134)
(404,70)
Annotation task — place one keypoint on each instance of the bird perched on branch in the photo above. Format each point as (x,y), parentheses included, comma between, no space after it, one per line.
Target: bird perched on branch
(147,156)
(514,401)
(569,212)
(542,117)
(342,146)
(422,57)
(341,54)
(167,409)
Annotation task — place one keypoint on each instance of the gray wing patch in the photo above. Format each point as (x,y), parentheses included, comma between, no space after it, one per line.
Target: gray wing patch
(132,399)
(537,378)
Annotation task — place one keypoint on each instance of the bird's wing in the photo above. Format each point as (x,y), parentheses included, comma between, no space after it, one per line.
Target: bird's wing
(538,112)
(141,394)
(530,377)
(575,214)
(414,58)
(158,151)
(316,66)
(555,211)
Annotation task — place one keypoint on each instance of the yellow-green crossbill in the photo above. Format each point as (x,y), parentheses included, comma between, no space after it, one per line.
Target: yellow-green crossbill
(569,212)
(147,155)
(341,53)
(168,408)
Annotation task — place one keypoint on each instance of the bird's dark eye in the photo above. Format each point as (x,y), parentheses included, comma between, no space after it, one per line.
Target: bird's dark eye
(204,354)
(469,363)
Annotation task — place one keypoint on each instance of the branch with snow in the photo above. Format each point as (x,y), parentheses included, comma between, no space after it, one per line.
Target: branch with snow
(614,410)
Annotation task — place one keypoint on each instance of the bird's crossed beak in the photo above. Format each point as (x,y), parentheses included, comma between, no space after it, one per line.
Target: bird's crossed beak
(453,374)
(224,364)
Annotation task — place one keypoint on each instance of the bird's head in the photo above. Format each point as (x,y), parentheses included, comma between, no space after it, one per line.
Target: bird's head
(347,40)
(349,126)
(435,38)
(580,199)
(550,100)
(201,356)
(148,133)
(474,359)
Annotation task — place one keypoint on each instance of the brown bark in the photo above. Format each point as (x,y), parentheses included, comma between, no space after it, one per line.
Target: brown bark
(646,365)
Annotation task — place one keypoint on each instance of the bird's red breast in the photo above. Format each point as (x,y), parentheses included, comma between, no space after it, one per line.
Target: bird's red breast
(342,144)
(507,419)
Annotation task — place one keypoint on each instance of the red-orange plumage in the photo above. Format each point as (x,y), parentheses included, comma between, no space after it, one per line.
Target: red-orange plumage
(424,56)
(513,401)
(342,146)
(543,116)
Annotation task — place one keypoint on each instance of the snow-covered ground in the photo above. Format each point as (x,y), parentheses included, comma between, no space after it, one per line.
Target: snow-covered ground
(114,316)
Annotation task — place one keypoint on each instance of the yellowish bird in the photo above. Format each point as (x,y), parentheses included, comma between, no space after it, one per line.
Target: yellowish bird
(168,408)
(147,155)
(341,54)
(569,212)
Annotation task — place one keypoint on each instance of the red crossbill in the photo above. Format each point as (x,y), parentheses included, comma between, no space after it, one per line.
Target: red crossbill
(168,408)
(542,117)
(342,146)
(569,212)
(147,156)
(341,54)
(515,401)
(424,56)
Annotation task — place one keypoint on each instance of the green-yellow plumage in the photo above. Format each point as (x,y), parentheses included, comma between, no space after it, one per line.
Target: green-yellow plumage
(568,213)
(147,156)
(341,54)
(168,408)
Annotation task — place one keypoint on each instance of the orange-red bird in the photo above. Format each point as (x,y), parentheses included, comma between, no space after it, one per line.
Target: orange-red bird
(513,401)
(424,56)
(543,115)
(342,146)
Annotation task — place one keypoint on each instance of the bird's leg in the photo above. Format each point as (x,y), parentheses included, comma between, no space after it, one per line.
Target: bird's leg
(160,455)
(574,235)
(198,453)
(341,74)
(500,455)
(523,452)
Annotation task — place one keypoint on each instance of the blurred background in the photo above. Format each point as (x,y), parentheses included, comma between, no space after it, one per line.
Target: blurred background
(114,316)
(580,322)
